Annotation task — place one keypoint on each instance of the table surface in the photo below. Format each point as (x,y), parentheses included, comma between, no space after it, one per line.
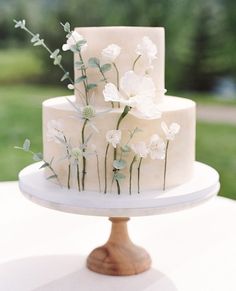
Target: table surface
(45,250)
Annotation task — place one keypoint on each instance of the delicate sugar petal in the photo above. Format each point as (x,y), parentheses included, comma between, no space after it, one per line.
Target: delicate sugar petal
(54,130)
(111,52)
(113,136)
(111,93)
(147,49)
(140,149)
(133,85)
(157,148)
(72,40)
(171,131)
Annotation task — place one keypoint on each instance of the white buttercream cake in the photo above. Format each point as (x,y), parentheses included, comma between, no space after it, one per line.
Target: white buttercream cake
(119,133)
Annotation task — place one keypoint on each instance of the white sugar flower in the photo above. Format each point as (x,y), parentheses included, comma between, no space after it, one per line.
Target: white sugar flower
(73,40)
(111,52)
(113,137)
(55,130)
(147,49)
(157,148)
(140,149)
(171,131)
(137,92)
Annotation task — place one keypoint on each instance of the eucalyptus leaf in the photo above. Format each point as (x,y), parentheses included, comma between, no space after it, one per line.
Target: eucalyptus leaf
(57,60)
(66,26)
(80,79)
(35,38)
(44,165)
(78,64)
(54,54)
(126,148)
(52,177)
(39,42)
(119,176)
(94,62)
(65,76)
(37,157)
(119,164)
(26,145)
(91,86)
(60,140)
(105,68)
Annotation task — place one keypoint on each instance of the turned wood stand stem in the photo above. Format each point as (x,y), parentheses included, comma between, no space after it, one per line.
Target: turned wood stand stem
(119,256)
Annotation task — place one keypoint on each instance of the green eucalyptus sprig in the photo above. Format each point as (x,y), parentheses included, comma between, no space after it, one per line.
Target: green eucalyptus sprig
(37,41)
(38,157)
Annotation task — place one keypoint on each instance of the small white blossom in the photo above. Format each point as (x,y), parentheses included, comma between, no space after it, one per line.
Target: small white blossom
(111,52)
(137,92)
(171,131)
(157,148)
(72,41)
(76,153)
(113,137)
(140,149)
(147,49)
(70,86)
(54,130)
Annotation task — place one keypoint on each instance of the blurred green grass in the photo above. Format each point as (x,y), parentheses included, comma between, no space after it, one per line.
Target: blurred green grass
(20,117)
(19,65)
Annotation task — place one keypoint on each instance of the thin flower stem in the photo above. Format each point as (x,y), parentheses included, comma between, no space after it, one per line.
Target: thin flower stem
(69,165)
(68,178)
(78,176)
(130,174)
(138,57)
(84,159)
(98,173)
(139,166)
(105,80)
(105,167)
(117,80)
(165,166)
(84,74)
(122,116)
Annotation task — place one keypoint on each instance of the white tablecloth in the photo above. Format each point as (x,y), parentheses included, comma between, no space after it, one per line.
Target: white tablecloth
(43,249)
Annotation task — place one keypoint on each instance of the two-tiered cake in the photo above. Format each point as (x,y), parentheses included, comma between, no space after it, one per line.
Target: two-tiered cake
(119,133)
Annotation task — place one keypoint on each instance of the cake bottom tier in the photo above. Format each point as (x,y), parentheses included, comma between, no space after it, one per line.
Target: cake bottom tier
(95,170)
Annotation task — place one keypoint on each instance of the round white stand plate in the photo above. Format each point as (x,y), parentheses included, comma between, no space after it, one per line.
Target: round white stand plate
(204,185)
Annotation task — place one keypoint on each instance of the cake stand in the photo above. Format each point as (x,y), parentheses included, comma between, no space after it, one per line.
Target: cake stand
(119,256)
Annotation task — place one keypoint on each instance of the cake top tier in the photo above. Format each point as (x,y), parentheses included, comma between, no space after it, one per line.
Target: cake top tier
(136,53)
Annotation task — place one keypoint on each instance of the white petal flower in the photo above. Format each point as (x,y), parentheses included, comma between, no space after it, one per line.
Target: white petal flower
(171,131)
(148,108)
(113,137)
(55,130)
(72,41)
(140,149)
(147,49)
(111,52)
(111,93)
(136,85)
(157,148)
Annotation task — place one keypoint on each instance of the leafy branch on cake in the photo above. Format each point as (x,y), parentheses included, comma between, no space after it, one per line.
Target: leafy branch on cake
(38,157)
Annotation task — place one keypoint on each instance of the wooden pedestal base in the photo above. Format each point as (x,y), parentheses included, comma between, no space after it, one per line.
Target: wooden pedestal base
(119,256)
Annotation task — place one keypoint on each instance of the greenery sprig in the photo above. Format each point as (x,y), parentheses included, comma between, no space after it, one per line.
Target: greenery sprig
(38,157)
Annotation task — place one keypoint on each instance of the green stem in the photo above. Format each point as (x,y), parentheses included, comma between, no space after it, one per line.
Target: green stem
(105,80)
(78,175)
(165,166)
(84,74)
(84,159)
(98,173)
(122,116)
(130,174)
(138,57)
(68,178)
(139,166)
(105,167)
(117,80)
